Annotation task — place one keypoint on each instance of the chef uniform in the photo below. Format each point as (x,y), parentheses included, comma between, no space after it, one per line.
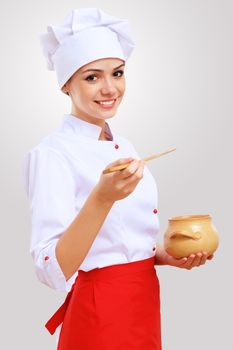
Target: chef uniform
(113,299)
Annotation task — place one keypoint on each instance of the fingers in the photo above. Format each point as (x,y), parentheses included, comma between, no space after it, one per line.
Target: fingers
(141,169)
(194,260)
(136,168)
(210,257)
(119,161)
(203,258)
(188,262)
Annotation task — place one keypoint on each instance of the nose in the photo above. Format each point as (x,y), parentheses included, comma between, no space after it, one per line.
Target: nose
(108,87)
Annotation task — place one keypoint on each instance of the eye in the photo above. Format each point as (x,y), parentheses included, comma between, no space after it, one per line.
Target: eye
(119,71)
(92,77)
(89,78)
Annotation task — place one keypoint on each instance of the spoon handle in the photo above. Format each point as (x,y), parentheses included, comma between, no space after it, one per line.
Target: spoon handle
(158,155)
(123,166)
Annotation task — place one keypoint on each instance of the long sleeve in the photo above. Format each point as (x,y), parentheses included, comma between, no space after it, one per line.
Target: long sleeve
(50,187)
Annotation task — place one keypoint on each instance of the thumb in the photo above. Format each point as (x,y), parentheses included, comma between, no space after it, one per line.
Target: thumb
(119,161)
(176,262)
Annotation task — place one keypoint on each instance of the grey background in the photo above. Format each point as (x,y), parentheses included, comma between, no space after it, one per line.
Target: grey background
(179,94)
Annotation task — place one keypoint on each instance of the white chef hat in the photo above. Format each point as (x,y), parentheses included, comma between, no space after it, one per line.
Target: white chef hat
(86,35)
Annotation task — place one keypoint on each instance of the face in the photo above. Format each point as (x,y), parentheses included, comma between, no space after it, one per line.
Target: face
(96,89)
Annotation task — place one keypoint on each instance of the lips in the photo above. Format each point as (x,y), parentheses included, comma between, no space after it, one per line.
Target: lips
(106,103)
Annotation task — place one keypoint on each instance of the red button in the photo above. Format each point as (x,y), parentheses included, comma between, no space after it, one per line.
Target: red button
(46,258)
(116,146)
(155,211)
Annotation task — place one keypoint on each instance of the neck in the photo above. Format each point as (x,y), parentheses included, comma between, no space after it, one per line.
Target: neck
(88,118)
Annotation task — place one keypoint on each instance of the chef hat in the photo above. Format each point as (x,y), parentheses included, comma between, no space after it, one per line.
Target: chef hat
(87,34)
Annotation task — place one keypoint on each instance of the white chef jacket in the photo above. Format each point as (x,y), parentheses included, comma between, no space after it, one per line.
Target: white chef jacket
(59,173)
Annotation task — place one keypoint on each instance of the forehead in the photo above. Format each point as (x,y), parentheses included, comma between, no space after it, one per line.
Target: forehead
(102,64)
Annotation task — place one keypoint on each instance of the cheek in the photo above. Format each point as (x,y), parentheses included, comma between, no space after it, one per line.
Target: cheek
(122,85)
(88,92)
(84,95)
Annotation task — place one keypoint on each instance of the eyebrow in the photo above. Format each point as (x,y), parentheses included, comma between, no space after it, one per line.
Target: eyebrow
(99,70)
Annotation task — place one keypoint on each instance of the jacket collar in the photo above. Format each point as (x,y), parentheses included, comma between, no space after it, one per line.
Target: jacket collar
(85,128)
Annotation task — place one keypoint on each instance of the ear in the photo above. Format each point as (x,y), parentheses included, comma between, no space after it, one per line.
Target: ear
(65,89)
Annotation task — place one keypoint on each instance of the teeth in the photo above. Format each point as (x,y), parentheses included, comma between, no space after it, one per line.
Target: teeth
(106,102)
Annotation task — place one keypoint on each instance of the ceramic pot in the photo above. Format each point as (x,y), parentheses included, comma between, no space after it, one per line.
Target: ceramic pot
(190,234)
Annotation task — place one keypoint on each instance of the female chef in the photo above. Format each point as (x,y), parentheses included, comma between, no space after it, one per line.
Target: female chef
(94,234)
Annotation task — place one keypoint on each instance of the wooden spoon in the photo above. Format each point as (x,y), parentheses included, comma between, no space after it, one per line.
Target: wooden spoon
(123,166)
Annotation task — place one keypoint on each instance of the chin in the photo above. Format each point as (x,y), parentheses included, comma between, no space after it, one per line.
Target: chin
(105,116)
(110,116)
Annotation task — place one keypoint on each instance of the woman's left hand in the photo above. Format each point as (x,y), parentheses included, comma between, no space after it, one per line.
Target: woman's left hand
(193,260)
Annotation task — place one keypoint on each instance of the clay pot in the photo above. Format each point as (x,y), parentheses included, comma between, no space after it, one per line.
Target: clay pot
(190,234)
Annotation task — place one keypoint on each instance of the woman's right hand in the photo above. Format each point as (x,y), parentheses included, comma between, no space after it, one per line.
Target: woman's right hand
(119,184)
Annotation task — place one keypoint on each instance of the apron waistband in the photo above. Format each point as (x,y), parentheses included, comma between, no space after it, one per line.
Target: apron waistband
(113,271)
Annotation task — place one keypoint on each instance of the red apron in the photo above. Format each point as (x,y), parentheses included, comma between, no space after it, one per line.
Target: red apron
(115,307)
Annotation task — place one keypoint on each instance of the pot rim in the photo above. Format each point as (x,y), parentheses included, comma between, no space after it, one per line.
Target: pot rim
(190,217)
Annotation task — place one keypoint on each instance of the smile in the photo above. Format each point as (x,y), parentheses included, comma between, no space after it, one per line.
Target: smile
(106,103)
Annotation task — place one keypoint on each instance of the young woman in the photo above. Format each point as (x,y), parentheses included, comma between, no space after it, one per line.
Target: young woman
(93,234)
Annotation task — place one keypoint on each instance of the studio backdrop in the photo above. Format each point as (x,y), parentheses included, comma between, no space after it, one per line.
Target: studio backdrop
(178,94)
